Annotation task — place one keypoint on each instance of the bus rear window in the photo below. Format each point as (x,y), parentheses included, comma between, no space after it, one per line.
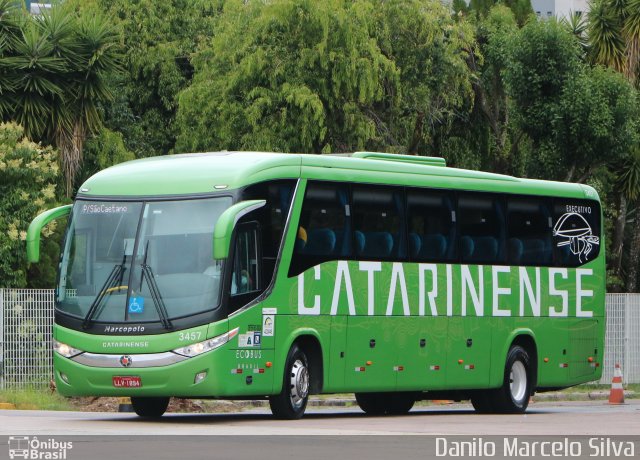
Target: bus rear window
(576,231)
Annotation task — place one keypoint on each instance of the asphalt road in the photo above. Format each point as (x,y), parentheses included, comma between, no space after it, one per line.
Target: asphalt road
(595,418)
(577,429)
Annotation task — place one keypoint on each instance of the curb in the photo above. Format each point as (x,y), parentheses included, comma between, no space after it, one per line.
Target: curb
(539,397)
(580,396)
(7,406)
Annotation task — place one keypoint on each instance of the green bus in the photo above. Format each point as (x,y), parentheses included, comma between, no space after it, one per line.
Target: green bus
(247,275)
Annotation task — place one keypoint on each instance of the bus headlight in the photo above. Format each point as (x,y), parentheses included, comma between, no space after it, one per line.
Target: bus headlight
(196,349)
(65,350)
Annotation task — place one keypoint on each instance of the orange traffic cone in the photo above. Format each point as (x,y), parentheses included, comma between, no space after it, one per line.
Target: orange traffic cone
(616,395)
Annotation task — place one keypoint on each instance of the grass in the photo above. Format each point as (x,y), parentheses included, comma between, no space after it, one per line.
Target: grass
(35,399)
(589,387)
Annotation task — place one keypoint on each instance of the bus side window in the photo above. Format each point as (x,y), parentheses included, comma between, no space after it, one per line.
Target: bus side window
(272,218)
(482,228)
(432,226)
(528,231)
(245,274)
(324,231)
(378,222)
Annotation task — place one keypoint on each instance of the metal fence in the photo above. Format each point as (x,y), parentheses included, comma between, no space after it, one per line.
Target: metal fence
(26,319)
(622,339)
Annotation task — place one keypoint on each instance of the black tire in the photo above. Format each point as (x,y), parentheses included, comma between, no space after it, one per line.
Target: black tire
(513,396)
(481,402)
(291,403)
(150,407)
(370,403)
(385,403)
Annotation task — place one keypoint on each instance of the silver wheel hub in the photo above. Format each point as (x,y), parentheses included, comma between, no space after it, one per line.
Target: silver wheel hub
(518,381)
(299,383)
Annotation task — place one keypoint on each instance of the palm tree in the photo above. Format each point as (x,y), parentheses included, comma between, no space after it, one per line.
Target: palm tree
(606,44)
(629,182)
(631,34)
(614,41)
(628,191)
(576,24)
(54,70)
(614,35)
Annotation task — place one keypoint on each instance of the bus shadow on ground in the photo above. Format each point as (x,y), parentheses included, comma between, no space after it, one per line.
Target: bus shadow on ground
(201,418)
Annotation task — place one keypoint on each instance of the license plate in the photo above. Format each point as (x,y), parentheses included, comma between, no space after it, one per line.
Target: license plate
(127,382)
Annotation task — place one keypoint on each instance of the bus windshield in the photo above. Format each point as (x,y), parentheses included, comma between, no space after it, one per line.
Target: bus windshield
(171,275)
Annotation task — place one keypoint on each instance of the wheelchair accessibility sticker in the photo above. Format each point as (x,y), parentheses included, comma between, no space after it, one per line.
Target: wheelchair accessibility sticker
(250,340)
(136,305)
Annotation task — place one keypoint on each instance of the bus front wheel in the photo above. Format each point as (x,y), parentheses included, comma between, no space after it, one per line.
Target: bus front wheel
(291,403)
(150,407)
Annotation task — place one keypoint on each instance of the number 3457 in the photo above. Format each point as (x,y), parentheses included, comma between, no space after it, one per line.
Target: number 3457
(190,336)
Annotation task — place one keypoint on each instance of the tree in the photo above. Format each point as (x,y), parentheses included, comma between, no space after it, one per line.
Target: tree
(159,38)
(521,9)
(576,24)
(578,117)
(614,35)
(627,190)
(430,50)
(328,76)
(28,177)
(492,105)
(614,39)
(301,76)
(54,72)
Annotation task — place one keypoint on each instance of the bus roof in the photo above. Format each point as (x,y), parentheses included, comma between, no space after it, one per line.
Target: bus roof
(206,173)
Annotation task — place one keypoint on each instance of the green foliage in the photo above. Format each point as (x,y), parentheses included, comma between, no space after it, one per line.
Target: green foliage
(105,149)
(542,58)
(327,76)
(521,9)
(597,121)
(578,117)
(28,175)
(160,38)
(54,70)
(577,25)
(430,51)
(614,36)
(35,399)
(460,7)
(491,133)
(628,180)
(605,35)
(300,76)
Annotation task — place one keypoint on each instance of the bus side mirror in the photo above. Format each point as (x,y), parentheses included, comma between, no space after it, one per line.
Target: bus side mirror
(227,222)
(36,226)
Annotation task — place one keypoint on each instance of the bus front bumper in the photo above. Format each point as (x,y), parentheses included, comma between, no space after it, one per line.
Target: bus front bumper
(188,378)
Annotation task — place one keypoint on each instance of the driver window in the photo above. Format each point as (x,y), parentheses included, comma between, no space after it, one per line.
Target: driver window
(245,275)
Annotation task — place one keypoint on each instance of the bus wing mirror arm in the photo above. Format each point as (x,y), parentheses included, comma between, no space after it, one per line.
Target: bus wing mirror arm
(36,226)
(227,222)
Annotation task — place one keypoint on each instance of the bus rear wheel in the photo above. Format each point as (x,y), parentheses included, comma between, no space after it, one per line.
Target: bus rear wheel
(481,402)
(291,403)
(149,407)
(385,403)
(513,396)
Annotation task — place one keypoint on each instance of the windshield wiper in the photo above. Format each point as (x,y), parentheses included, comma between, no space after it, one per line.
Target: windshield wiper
(154,290)
(117,273)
